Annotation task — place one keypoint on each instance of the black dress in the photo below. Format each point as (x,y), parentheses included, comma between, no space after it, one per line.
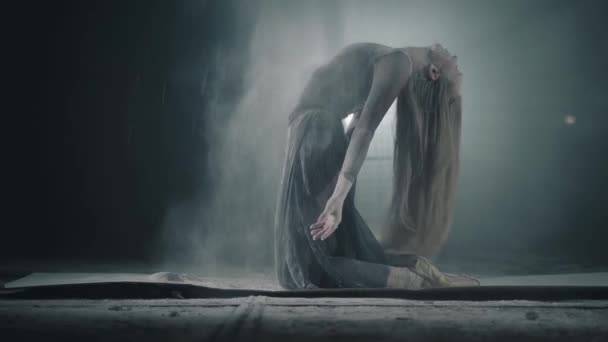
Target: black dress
(316,146)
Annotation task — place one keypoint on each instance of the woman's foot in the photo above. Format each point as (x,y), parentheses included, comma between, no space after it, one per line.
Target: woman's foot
(431,274)
(433,277)
(461,280)
(404,278)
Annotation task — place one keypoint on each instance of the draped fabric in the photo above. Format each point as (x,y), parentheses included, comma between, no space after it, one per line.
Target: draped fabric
(351,257)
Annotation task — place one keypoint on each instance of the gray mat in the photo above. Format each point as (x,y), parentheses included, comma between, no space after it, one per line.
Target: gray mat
(266,283)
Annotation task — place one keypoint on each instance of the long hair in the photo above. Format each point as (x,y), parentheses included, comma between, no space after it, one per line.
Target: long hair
(425,166)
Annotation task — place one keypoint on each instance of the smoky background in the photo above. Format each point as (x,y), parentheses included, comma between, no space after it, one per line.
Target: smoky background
(154,131)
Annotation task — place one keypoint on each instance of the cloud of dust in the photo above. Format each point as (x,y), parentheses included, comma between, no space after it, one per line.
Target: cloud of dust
(233,230)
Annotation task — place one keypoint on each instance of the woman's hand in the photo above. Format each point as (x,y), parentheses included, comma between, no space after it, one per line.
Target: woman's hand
(328,221)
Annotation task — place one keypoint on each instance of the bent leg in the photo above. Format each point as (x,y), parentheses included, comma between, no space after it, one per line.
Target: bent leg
(421,274)
(357,273)
(364,274)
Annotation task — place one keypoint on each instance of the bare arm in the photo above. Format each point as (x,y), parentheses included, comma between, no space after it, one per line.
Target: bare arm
(390,76)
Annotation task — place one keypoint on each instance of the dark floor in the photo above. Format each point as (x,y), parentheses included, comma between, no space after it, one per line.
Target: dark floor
(261,318)
(293,319)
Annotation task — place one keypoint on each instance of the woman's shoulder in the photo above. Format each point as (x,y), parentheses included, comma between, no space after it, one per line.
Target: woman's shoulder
(370,51)
(364,47)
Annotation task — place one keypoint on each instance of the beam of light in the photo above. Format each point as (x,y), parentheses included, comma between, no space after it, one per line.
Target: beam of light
(347,120)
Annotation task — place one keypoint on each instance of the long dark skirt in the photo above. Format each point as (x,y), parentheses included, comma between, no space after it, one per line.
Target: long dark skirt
(351,257)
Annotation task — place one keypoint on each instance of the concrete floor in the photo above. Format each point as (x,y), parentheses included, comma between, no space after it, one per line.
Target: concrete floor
(261,318)
(298,319)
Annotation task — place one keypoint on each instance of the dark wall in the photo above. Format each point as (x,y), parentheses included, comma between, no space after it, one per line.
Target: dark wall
(586,152)
(106,122)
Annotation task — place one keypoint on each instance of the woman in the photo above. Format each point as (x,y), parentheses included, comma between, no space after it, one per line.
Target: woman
(321,240)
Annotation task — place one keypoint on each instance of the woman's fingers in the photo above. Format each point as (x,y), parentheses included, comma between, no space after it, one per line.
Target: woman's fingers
(317,225)
(327,233)
(323,228)
(323,233)
(317,233)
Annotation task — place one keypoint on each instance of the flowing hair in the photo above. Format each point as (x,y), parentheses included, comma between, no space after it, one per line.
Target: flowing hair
(425,165)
